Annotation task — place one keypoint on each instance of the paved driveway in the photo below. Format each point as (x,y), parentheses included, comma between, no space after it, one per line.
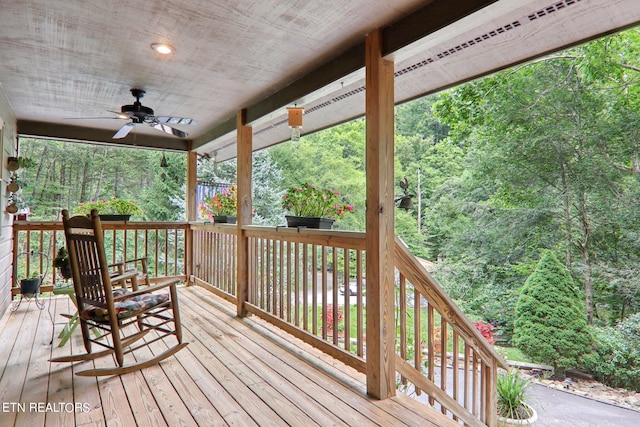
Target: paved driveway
(559,408)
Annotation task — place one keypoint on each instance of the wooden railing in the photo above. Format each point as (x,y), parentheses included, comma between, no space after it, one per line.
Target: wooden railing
(311,283)
(439,350)
(163,243)
(292,276)
(214,258)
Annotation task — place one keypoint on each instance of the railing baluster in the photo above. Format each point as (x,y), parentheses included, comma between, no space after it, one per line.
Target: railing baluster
(347,300)
(305,287)
(334,294)
(402,318)
(432,338)
(314,287)
(454,366)
(443,358)
(324,292)
(360,310)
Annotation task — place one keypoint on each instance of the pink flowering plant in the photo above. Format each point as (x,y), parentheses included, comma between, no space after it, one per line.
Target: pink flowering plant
(223,203)
(486,330)
(113,206)
(308,200)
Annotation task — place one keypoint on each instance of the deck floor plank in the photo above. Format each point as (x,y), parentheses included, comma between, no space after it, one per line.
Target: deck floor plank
(171,405)
(318,403)
(234,372)
(201,409)
(60,388)
(259,377)
(116,405)
(13,381)
(251,404)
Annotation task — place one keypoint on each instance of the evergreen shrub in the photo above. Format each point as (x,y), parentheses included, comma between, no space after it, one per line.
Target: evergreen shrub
(615,360)
(550,321)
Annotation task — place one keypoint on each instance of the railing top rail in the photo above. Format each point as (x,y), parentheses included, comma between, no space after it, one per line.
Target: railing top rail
(337,238)
(107,225)
(448,309)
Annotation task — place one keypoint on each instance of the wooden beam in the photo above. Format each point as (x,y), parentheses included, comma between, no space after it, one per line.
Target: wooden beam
(245,207)
(380,220)
(62,132)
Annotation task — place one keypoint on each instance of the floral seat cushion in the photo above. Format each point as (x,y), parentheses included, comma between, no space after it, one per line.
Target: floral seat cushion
(125,308)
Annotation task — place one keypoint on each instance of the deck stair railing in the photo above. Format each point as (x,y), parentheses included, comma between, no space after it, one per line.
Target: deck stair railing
(440,351)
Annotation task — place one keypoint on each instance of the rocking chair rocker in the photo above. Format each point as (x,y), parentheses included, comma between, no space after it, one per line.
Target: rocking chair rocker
(123,317)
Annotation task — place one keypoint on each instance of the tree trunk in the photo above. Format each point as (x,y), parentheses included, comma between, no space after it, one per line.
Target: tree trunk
(567,217)
(584,244)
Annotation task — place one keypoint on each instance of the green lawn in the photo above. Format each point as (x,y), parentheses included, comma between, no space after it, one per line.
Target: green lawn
(512,353)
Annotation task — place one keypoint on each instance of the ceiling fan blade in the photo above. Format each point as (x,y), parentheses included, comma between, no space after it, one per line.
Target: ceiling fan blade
(124,131)
(168,129)
(176,120)
(120,115)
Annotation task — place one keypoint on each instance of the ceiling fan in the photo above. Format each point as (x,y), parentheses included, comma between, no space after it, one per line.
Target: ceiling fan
(139,114)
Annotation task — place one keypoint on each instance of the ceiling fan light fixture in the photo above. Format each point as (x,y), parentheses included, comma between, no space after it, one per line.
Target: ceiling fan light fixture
(163,48)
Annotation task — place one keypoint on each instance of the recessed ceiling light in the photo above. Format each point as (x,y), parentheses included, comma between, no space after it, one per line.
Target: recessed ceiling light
(163,48)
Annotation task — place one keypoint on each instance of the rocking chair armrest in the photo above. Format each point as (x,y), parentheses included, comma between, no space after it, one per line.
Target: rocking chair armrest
(148,290)
(118,265)
(121,278)
(144,258)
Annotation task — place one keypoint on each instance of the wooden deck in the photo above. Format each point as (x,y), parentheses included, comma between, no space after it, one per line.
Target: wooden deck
(233,372)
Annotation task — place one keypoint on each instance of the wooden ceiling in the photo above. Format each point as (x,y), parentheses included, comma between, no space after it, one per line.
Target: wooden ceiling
(63,62)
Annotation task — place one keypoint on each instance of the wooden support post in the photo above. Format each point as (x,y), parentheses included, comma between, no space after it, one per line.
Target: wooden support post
(380,217)
(191,210)
(245,207)
(192,182)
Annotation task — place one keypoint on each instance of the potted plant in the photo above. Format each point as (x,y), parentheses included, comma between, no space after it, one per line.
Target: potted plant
(222,207)
(512,408)
(110,210)
(30,285)
(313,207)
(61,262)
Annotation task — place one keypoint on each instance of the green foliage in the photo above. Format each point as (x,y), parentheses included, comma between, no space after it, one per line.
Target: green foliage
(309,200)
(511,395)
(110,207)
(69,173)
(615,359)
(223,203)
(550,324)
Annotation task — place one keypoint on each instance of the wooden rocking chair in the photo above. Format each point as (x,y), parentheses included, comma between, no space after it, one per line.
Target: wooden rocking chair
(124,317)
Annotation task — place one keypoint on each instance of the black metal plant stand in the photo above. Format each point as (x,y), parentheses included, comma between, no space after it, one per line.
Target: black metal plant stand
(30,286)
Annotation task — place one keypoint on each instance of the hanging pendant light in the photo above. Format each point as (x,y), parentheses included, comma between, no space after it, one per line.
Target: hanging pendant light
(295,122)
